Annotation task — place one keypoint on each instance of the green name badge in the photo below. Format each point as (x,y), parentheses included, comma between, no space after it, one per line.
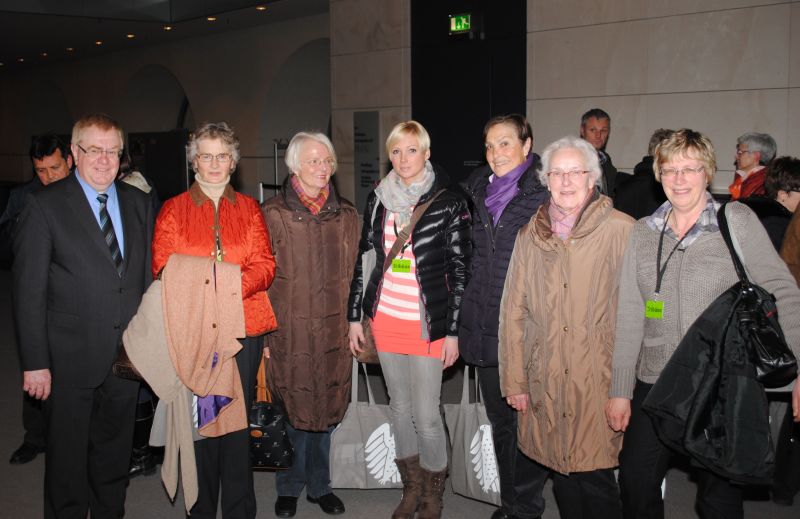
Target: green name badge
(654,309)
(401,266)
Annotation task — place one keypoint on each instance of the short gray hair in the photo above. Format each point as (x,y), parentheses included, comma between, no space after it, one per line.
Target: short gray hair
(591,160)
(292,157)
(762,143)
(222,131)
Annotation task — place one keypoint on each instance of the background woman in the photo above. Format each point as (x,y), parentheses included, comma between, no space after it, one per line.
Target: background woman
(414,308)
(695,267)
(557,332)
(211,219)
(314,234)
(505,193)
(780,199)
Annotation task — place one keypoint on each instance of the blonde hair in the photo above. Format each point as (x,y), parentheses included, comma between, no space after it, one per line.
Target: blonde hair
(407,128)
(686,143)
(98,120)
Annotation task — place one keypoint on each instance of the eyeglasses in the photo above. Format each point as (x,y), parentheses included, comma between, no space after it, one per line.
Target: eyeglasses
(572,174)
(222,158)
(315,163)
(672,173)
(94,152)
(741,152)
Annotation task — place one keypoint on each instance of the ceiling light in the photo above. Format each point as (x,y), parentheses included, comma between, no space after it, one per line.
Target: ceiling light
(130,36)
(211,18)
(261,8)
(70,49)
(167,27)
(98,42)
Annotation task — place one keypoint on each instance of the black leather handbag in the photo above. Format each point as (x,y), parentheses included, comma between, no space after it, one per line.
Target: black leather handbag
(776,365)
(270,446)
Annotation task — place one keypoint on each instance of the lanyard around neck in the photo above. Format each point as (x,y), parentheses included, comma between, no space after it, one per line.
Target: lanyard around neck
(660,270)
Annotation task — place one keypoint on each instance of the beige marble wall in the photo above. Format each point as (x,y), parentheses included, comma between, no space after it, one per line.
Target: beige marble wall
(723,67)
(370,70)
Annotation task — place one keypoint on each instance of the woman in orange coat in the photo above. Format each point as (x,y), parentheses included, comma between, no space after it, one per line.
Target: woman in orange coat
(211,219)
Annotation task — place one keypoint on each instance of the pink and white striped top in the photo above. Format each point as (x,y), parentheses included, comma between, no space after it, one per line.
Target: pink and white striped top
(400,290)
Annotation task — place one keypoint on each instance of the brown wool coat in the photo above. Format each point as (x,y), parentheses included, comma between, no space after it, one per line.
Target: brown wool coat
(556,335)
(310,360)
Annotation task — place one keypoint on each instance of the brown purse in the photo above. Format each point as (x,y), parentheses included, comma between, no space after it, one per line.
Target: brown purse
(369,353)
(123,367)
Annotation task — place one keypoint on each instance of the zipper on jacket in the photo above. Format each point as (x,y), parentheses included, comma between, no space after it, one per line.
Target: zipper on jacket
(218,253)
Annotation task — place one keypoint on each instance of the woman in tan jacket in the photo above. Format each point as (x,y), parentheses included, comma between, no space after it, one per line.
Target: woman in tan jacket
(557,332)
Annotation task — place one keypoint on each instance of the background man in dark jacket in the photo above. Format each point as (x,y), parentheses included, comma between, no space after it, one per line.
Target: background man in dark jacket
(51,161)
(641,194)
(596,128)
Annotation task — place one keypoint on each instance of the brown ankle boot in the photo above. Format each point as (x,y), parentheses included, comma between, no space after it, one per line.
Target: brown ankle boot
(432,490)
(411,474)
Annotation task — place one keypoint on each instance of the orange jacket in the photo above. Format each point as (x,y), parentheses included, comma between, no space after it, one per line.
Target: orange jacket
(186,225)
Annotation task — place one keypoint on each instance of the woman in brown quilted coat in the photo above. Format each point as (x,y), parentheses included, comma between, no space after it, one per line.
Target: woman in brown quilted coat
(314,234)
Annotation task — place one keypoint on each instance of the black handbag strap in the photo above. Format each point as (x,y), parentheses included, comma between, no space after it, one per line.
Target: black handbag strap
(405,234)
(724,229)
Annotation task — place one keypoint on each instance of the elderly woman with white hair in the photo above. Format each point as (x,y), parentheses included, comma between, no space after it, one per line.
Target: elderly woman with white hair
(556,333)
(314,234)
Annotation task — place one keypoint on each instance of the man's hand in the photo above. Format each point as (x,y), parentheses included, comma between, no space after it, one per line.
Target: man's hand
(37,383)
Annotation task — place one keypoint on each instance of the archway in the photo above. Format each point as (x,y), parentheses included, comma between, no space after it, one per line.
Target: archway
(298,99)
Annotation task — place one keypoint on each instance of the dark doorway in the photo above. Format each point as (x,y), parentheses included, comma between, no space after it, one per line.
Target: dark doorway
(459,81)
(161,157)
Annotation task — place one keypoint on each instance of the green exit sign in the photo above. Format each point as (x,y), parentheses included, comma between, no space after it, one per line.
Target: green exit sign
(460,23)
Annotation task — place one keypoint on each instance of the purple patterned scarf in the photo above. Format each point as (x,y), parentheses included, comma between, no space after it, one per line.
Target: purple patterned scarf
(501,190)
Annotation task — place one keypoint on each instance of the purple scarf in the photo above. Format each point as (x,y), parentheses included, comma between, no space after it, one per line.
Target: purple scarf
(501,190)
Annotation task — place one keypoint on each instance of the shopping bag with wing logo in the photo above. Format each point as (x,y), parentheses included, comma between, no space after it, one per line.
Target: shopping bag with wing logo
(362,446)
(473,464)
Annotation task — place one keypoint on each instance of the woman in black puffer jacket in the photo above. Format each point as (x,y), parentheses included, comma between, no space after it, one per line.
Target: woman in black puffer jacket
(413,308)
(505,194)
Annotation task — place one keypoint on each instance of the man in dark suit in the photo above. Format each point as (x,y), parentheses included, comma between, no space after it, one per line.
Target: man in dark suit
(52,162)
(595,128)
(82,259)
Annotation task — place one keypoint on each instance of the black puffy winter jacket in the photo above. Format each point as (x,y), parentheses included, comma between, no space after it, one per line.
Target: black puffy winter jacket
(493,245)
(442,245)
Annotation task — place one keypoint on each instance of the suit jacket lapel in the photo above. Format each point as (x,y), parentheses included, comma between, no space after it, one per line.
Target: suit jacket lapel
(76,199)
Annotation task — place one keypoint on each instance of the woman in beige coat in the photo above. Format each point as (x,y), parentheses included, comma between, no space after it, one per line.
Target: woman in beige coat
(557,332)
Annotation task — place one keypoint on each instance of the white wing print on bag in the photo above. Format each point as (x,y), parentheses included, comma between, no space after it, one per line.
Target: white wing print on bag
(379,454)
(484,462)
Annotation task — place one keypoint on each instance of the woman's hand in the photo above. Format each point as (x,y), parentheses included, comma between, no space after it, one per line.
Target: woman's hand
(618,413)
(796,400)
(518,402)
(449,351)
(355,337)
(266,352)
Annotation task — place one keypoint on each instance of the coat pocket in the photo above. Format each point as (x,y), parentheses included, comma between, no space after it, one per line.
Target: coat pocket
(654,356)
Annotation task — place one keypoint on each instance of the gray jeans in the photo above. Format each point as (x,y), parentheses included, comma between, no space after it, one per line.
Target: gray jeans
(415,385)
